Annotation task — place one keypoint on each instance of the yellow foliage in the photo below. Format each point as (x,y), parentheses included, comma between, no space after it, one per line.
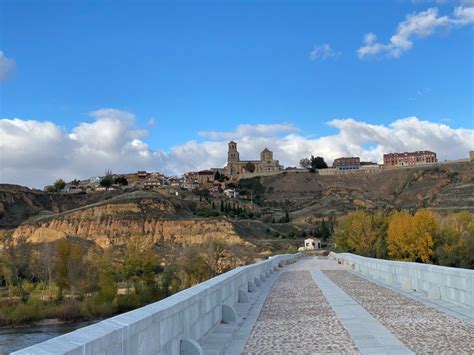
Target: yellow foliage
(410,237)
(361,233)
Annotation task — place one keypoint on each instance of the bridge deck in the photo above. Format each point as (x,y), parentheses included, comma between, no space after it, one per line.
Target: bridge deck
(317,306)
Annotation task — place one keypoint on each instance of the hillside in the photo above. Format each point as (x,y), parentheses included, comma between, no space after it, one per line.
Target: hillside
(443,188)
(111,218)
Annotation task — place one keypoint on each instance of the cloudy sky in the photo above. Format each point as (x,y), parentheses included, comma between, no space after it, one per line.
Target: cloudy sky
(163,86)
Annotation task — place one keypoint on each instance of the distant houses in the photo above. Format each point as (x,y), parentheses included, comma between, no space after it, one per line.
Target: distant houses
(221,180)
(410,158)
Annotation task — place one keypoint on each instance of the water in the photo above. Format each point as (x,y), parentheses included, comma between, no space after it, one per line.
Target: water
(12,339)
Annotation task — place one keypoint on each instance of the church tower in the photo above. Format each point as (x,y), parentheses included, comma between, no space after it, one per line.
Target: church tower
(232,153)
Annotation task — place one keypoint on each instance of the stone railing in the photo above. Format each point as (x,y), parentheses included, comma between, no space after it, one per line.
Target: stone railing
(450,284)
(171,326)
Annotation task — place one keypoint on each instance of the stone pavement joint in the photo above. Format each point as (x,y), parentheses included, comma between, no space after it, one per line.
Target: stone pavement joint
(296,319)
(368,334)
(424,329)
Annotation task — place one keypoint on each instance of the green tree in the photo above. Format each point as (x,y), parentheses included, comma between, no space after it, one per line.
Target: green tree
(318,163)
(59,184)
(107,180)
(121,180)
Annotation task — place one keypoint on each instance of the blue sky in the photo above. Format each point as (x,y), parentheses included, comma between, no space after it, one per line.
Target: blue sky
(196,66)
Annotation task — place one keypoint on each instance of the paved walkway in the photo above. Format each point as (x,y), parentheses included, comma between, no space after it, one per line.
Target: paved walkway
(318,307)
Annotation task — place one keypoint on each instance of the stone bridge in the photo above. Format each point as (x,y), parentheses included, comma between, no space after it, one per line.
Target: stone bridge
(296,304)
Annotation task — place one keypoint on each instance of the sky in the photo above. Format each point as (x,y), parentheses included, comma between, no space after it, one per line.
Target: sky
(87,86)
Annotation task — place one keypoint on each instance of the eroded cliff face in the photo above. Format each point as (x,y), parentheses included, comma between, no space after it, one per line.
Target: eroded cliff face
(114,224)
(18,203)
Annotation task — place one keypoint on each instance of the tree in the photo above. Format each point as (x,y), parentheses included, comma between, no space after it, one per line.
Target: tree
(410,238)
(313,163)
(14,264)
(360,233)
(59,184)
(219,177)
(121,180)
(249,167)
(70,269)
(318,163)
(454,242)
(213,251)
(305,163)
(107,180)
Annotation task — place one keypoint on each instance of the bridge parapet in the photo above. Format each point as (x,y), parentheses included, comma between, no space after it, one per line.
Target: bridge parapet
(454,285)
(170,326)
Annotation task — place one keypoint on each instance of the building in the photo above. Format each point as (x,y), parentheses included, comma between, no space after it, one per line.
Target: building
(236,167)
(410,158)
(205,178)
(350,163)
(311,244)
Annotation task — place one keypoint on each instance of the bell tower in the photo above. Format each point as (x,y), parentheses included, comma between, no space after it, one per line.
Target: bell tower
(232,153)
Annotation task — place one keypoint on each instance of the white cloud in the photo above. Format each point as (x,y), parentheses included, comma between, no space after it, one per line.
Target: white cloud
(416,25)
(6,66)
(323,52)
(35,153)
(246,130)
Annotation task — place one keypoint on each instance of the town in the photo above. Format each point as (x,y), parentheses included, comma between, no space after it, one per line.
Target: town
(222,180)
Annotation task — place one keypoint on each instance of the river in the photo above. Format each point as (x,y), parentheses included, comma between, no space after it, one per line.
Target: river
(12,339)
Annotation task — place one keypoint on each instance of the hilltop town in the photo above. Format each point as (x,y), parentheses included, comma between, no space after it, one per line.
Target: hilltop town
(218,181)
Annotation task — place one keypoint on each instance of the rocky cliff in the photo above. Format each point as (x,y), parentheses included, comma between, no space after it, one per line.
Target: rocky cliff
(111,222)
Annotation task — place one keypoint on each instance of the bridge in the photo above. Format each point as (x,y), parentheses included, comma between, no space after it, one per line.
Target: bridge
(296,304)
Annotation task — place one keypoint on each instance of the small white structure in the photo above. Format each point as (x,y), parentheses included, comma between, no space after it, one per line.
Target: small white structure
(231,193)
(311,244)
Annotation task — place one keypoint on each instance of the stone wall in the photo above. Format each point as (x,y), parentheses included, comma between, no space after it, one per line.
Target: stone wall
(171,326)
(450,284)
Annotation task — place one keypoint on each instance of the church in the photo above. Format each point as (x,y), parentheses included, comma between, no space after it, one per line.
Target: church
(236,167)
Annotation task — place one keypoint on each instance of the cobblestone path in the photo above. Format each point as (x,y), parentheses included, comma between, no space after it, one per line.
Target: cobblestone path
(422,328)
(296,319)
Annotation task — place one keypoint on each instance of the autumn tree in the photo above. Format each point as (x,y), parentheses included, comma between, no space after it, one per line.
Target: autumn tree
(71,272)
(361,233)
(410,238)
(454,242)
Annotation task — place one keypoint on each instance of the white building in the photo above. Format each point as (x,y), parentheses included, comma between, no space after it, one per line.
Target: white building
(311,244)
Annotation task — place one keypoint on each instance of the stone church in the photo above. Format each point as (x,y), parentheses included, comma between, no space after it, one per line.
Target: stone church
(236,167)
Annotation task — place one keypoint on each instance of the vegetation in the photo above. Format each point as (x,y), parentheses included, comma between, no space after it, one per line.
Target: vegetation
(229,209)
(72,280)
(251,188)
(59,184)
(312,163)
(121,180)
(219,177)
(107,180)
(420,237)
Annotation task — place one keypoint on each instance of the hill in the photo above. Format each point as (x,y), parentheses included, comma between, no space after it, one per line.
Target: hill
(111,218)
